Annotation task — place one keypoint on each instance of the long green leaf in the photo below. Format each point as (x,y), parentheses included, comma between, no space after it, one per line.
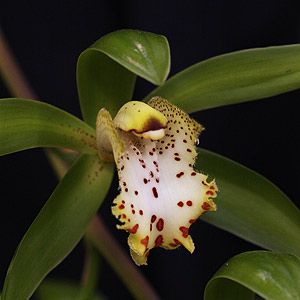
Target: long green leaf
(233,78)
(107,70)
(250,206)
(26,124)
(59,290)
(59,226)
(273,276)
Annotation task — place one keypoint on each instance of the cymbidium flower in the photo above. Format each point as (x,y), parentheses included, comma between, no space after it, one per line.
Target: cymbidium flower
(161,194)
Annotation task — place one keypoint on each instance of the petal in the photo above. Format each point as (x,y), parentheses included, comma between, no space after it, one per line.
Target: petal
(109,143)
(161,195)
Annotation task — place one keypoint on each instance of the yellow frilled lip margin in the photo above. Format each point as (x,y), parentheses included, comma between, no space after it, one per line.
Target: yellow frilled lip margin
(161,194)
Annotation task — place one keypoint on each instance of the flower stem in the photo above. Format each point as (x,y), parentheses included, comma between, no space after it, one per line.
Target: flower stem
(12,73)
(90,272)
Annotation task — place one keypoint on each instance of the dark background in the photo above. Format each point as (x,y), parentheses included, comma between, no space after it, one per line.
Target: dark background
(47,38)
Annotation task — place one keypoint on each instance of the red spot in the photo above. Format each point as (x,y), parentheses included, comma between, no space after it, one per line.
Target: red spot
(184,141)
(141,160)
(153,218)
(124,183)
(177,158)
(145,181)
(179,174)
(126,190)
(210,193)
(203,182)
(150,227)
(157,180)
(176,154)
(121,206)
(160,152)
(123,216)
(160,225)
(145,241)
(189,203)
(123,201)
(192,221)
(193,174)
(141,212)
(151,174)
(158,241)
(188,150)
(185,231)
(212,187)
(173,245)
(133,211)
(177,242)
(136,192)
(133,229)
(205,206)
(180,204)
(131,205)
(150,153)
(154,191)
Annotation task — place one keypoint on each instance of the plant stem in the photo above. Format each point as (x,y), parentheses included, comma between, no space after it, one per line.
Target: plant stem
(97,231)
(12,73)
(90,273)
(120,262)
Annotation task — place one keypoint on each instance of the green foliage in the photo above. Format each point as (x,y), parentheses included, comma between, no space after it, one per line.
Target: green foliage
(273,276)
(106,71)
(59,226)
(248,205)
(37,124)
(234,78)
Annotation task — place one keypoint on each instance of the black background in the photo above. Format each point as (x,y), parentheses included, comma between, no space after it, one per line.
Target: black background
(47,38)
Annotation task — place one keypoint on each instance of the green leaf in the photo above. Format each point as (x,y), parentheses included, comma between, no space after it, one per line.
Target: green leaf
(107,70)
(273,276)
(58,290)
(59,226)
(26,124)
(233,78)
(250,206)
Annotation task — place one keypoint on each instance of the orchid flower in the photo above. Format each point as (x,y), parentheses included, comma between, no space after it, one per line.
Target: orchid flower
(153,146)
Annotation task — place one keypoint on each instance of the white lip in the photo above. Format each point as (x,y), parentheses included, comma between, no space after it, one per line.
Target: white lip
(152,134)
